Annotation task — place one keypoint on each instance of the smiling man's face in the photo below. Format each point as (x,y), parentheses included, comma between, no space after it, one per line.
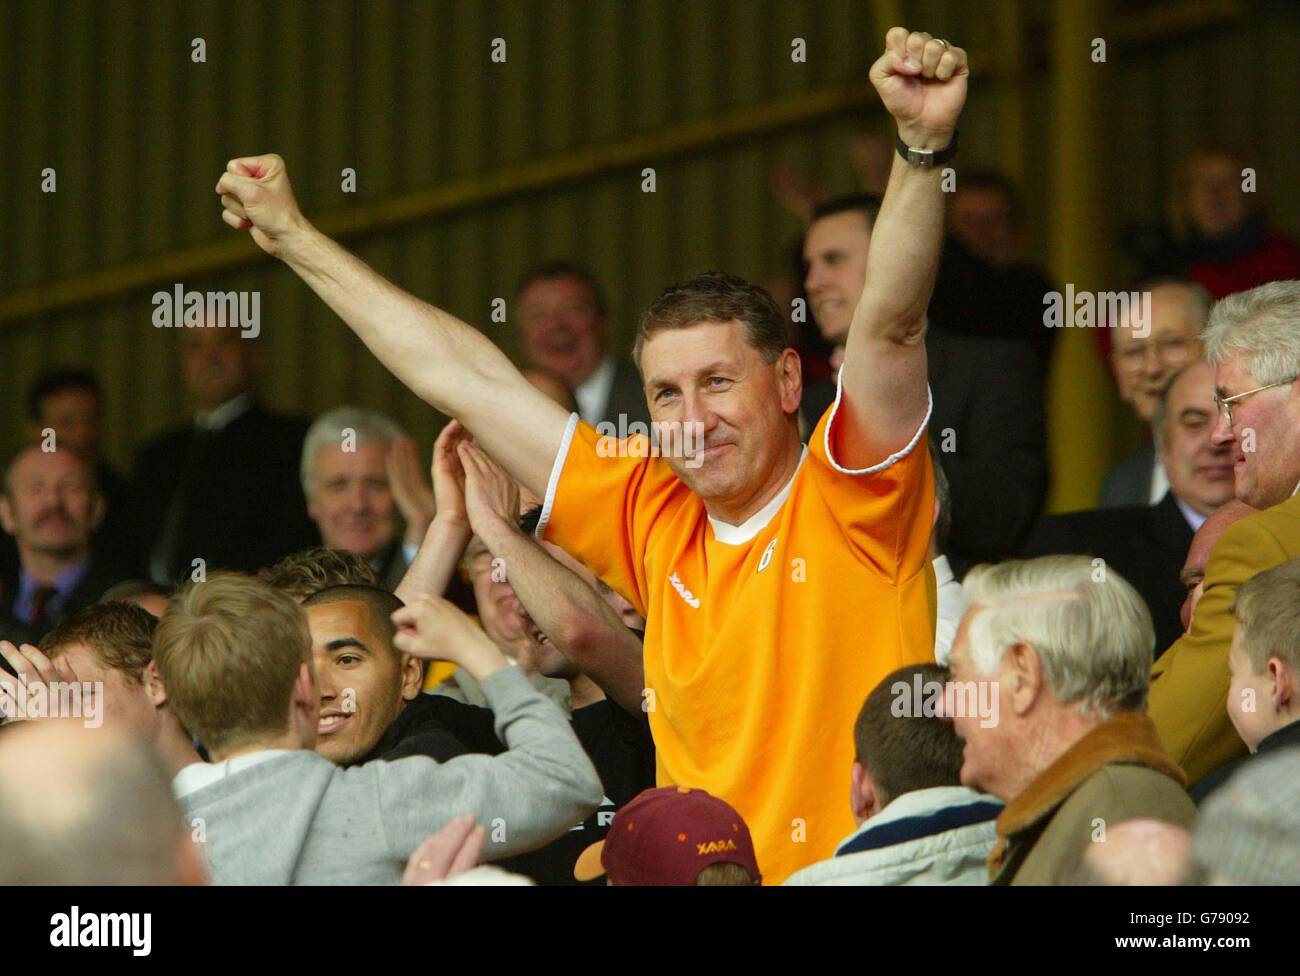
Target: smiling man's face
(364,683)
(1262,438)
(562,328)
(835,253)
(708,382)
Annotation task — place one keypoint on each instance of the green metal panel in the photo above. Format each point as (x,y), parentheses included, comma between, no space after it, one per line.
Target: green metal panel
(404,91)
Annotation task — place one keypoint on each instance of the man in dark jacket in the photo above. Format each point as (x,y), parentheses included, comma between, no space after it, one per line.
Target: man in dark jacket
(988,399)
(51,506)
(1146,543)
(225,487)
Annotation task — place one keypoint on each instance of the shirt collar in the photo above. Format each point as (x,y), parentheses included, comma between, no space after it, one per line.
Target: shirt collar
(65,581)
(593,395)
(1194,518)
(737,535)
(197,775)
(220,417)
(943,571)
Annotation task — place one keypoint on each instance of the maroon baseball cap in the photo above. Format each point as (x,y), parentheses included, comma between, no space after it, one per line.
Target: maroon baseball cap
(667,836)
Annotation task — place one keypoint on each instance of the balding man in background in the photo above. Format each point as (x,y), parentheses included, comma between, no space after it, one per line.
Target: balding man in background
(1148,544)
(104,812)
(223,488)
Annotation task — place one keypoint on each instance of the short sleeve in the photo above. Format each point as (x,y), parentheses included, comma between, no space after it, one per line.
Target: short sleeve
(887,509)
(604,500)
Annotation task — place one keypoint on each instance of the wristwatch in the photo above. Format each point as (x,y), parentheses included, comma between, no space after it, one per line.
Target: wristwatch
(927,157)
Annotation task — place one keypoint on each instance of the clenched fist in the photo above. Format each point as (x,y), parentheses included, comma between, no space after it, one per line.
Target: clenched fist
(922,82)
(255,193)
(432,628)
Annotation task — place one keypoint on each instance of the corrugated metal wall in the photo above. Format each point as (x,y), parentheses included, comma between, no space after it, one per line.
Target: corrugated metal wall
(405,92)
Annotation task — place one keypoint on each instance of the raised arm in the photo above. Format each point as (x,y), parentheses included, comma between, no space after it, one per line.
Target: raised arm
(922,82)
(535,791)
(569,611)
(448,364)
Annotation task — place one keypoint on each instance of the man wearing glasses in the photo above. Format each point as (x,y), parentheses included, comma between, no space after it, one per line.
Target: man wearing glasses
(1253,342)
(1143,362)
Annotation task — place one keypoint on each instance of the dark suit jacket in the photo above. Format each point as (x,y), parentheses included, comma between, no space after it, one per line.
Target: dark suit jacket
(626,395)
(112,543)
(1146,544)
(975,298)
(241,501)
(1129,482)
(391,565)
(99,577)
(987,393)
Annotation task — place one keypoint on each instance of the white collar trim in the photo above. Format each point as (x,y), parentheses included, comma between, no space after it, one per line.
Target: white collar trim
(738,535)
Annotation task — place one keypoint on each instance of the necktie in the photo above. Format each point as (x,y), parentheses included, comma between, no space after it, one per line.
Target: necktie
(40,602)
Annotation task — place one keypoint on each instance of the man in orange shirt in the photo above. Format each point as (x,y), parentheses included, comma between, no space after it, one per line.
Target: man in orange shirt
(780,582)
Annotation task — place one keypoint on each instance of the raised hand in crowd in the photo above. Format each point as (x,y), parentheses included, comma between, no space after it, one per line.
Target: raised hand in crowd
(434,629)
(411,493)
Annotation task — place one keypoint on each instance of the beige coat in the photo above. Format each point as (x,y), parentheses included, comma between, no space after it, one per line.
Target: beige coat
(1189,687)
(1116,772)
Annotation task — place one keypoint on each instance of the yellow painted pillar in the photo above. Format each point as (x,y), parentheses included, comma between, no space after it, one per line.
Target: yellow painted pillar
(1080,403)
(1008,48)
(889,13)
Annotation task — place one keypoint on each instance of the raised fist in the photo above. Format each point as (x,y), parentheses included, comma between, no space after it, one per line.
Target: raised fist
(922,81)
(255,193)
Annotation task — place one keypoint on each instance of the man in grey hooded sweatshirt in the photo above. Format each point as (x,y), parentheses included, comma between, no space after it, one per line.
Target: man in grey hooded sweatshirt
(236,658)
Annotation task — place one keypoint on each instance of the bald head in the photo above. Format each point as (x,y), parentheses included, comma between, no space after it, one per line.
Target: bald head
(1141,852)
(88,807)
(1199,468)
(1198,553)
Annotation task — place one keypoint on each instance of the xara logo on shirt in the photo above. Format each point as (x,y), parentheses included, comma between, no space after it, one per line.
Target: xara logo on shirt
(766,557)
(691,599)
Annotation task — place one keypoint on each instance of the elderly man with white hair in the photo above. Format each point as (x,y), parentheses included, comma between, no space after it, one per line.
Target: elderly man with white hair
(360,472)
(1061,648)
(1253,343)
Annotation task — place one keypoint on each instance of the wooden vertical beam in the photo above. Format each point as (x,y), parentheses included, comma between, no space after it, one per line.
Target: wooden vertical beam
(1080,416)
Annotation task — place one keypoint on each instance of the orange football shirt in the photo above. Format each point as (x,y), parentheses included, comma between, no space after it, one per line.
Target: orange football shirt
(763,640)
